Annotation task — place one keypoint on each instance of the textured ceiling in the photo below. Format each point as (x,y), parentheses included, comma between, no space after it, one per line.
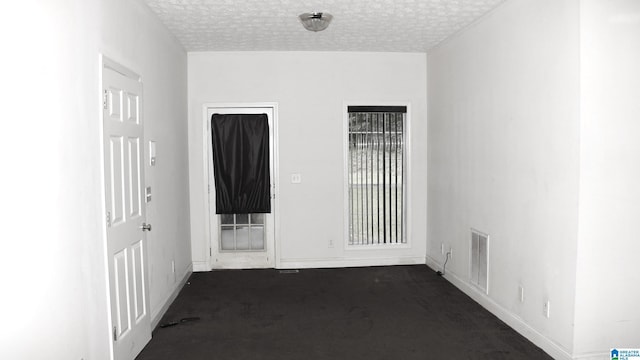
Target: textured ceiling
(358,25)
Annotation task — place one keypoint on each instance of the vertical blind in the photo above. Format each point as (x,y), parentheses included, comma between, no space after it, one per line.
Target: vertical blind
(376,175)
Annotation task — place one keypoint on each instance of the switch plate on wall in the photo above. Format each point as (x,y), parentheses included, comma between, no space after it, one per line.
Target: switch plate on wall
(152,153)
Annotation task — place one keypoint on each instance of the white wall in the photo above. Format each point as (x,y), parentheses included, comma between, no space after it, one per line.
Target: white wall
(503,145)
(310,89)
(133,36)
(53,272)
(607,292)
(46,172)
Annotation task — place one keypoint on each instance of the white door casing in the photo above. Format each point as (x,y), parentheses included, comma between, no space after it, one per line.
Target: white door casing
(243,259)
(123,143)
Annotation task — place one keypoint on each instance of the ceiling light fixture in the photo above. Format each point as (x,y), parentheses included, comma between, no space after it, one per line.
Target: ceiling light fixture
(315,21)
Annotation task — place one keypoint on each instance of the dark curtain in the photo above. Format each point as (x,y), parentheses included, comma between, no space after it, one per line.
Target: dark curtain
(241,163)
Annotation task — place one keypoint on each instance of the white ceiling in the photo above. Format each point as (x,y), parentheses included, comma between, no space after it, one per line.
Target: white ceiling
(358,25)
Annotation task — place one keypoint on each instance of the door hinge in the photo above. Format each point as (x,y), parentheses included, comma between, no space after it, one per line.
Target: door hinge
(104,99)
(108,218)
(209,188)
(210,252)
(115,334)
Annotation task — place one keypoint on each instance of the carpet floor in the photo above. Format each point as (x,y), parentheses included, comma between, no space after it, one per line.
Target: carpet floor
(395,312)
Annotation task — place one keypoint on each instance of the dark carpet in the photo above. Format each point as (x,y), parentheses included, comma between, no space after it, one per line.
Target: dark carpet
(397,312)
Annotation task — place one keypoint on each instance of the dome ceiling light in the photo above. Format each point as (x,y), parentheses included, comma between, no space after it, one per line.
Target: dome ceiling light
(315,21)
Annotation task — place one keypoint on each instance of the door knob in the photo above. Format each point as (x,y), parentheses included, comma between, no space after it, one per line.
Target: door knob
(145,227)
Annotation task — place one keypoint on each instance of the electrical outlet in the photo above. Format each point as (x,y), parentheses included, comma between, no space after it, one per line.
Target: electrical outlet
(442,248)
(330,243)
(521,293)
(173,270)
(450,253)
(546,309)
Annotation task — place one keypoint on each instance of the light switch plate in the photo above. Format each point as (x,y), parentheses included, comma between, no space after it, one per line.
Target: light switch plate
(152,153)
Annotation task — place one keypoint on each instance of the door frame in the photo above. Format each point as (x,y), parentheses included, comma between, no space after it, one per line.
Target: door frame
(107,63)
(209,226)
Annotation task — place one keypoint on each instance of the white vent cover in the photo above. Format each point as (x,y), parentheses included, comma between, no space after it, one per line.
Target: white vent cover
(480,260)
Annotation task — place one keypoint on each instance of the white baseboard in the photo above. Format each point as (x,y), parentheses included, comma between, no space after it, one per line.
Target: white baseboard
(593,356)
(348,262)
(155,318)
(201,266)
(549,346)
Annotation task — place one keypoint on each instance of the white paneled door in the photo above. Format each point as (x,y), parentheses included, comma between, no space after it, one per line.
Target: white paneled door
(125,213)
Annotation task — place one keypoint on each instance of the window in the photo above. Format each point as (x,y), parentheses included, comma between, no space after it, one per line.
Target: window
(376,167)
(242,232)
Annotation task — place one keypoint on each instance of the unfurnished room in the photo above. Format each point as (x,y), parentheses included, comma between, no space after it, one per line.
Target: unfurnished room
(305,179)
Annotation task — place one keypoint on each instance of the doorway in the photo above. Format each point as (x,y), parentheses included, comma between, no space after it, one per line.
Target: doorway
(241,241)
(125,210)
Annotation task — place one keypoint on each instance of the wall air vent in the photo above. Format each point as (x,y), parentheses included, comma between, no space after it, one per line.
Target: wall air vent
(480,260)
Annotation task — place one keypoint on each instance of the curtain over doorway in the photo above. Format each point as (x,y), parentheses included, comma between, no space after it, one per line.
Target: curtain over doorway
(240,144)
